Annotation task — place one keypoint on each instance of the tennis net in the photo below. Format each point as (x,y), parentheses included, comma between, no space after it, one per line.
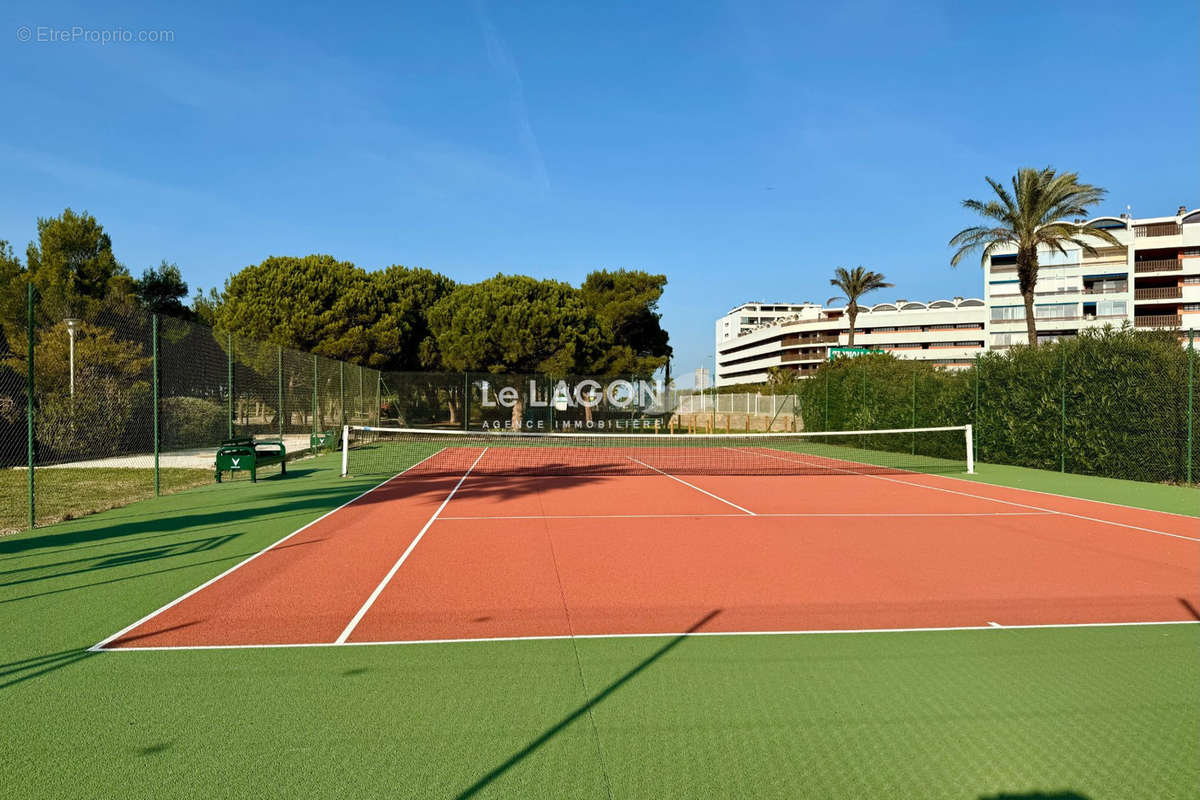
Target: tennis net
(370,450)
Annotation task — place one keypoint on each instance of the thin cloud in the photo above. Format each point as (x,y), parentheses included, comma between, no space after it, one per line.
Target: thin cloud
(506,67)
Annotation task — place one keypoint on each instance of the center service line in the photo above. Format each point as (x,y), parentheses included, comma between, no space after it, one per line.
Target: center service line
(692,485)
(391,573)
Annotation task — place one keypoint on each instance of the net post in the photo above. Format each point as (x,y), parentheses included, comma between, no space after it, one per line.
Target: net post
(29,385)
(970,449)
(345,450)
(154,367)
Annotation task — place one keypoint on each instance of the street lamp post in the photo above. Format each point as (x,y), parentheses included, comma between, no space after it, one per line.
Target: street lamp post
(72,326)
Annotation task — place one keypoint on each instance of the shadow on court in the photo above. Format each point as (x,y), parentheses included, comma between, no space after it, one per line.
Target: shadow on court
(1065,795)
(285,497)
(1191,609)
(15,672)
(529,749)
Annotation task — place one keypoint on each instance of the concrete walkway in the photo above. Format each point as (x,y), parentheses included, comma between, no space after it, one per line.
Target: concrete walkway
(191,458)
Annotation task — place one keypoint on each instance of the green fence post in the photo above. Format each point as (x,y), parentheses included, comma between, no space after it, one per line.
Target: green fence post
(1062,411)
(826,425)
(279,388)
(29,385)
(1191,391)
(466,401)
(342,392)
(154,365)
(975,421)
(378,398)
(229,345)
(315,401)
(914,409)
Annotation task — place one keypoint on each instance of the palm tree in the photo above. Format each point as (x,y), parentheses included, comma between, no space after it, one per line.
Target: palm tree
(854,284)
(1032,215)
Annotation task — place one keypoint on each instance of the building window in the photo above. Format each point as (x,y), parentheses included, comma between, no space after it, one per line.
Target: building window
(1056,311)
(1111,308)
(1008,312)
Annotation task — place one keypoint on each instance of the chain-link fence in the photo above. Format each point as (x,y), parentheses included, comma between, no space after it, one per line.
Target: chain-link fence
(1116,403)
(118,404)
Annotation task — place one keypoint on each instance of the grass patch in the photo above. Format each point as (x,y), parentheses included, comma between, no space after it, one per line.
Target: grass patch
(68,493)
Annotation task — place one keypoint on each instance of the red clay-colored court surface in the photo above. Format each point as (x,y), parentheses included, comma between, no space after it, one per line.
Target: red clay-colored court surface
(457,554)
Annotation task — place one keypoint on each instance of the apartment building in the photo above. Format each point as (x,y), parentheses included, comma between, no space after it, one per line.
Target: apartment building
(1150,280)
(754,337)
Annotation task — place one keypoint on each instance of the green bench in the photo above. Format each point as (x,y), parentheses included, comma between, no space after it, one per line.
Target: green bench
(240,455)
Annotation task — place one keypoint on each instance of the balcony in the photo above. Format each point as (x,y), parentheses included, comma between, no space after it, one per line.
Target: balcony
(1157,229)
(1106,289)
(1159,293)
(1158,321)
(1158,265)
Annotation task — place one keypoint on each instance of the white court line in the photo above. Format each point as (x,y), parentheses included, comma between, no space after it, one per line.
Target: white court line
(100,645)
(993,499)
(692,485)
(991,626)
(763,515)
(412,545)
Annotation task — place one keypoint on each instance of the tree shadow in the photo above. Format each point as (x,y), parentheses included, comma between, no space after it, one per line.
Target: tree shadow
(16,576)
(526,751)
(222,560)
(29,668)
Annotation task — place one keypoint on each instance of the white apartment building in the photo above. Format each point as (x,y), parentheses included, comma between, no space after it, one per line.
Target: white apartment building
(1152,280)
(754,337)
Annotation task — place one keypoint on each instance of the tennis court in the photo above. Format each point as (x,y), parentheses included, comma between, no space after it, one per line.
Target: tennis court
(517,536)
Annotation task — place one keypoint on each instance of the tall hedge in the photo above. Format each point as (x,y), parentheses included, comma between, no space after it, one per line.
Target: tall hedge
(1112,402)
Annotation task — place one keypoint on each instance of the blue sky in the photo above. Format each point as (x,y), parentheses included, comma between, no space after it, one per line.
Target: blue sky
(744,149)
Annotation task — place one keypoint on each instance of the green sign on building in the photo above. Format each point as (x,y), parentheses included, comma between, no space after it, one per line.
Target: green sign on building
(850,352)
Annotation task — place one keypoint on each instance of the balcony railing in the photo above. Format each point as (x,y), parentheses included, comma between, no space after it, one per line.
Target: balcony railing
(787,356)
(1157,229)
(1158,265)
(1105,289)
(801,341)
(1049,292)
(1158,321)
(1004,267)
(1159,293)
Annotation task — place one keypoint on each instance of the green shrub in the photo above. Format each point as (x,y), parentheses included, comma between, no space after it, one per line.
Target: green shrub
(192,422)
